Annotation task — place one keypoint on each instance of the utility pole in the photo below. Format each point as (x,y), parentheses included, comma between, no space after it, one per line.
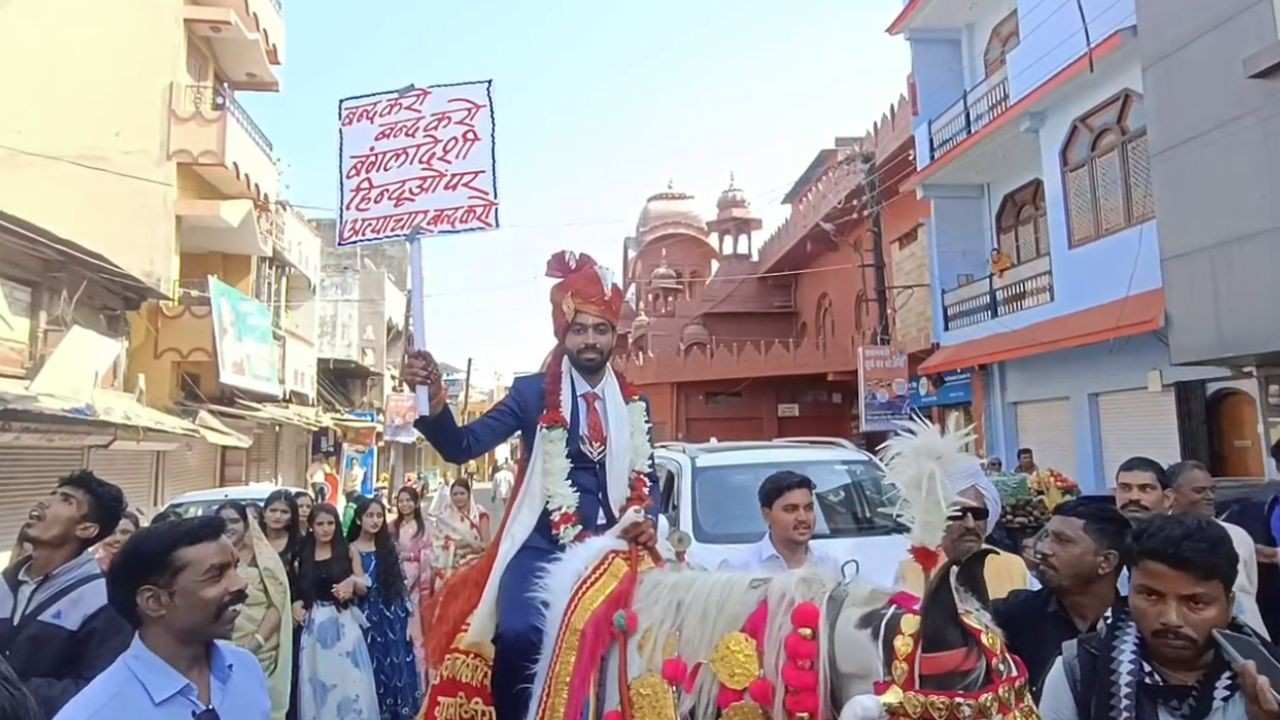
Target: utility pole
(877,251)
(466,400)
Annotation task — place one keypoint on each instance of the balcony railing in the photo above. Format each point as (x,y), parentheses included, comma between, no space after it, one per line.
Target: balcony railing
(977,107)
(193,292)
(992,297)
(214,99)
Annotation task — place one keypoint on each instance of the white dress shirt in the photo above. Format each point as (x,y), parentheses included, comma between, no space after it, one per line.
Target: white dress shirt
(764,557)
(580,388)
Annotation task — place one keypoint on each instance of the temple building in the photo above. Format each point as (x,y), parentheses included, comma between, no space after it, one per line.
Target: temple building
(736,337)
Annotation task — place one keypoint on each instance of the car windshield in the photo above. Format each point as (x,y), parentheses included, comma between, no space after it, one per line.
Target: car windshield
(851,500)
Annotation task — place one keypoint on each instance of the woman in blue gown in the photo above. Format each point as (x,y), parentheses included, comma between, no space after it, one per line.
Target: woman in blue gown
(384,600)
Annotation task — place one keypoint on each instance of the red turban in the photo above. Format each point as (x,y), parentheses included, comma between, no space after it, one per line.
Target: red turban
(584,287)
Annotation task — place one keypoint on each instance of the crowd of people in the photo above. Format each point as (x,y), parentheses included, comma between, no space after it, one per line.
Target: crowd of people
(280,610)
(1113,610)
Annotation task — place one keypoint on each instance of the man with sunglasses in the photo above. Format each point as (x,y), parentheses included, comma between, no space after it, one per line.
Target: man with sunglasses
(972,517)
(177,584)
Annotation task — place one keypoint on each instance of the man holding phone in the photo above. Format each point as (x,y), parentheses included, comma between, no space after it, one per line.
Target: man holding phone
(1160,661)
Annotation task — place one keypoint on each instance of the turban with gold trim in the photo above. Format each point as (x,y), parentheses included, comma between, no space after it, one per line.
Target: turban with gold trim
(584,286)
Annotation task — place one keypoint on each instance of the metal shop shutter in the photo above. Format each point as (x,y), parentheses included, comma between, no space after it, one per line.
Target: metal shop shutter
(1045,426)
(26,475)
(134,471)
(1137,422)
(193,467)
(262,457)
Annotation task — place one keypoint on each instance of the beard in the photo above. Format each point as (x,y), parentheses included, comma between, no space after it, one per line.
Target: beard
(592,364)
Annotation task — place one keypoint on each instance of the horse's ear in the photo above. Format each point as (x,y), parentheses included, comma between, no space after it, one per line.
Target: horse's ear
(971,575)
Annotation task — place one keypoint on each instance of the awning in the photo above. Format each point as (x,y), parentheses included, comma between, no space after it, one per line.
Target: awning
(105,406)
(1133,315)
(217,432)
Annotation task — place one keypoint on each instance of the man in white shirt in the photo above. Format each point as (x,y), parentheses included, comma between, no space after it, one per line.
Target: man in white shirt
(786,504)
(1193,492)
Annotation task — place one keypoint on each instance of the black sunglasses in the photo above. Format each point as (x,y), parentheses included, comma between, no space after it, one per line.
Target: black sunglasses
(206,714)
(956,514)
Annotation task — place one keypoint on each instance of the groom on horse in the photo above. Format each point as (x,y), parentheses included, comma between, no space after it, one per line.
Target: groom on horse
(586,459)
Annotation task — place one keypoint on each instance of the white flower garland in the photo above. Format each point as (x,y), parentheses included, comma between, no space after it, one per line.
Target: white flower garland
(562,497)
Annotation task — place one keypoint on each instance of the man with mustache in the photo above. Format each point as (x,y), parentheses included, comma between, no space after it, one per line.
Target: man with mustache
(56,627)
(1142,488)
(973,515)
(580,427)
(1193,491)
(1078,557)
(1159,661)
(786,504)
(177,584)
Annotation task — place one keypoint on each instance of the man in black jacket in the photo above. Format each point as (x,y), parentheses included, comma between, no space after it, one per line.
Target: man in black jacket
(56,628)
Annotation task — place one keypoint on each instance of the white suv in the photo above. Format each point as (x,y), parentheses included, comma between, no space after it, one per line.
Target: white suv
(709,492)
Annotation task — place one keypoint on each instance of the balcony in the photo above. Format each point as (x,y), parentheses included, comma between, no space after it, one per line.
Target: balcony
(246,36)
(1020,288)
(234,227)
(214,134)
(975,109)
(184,330)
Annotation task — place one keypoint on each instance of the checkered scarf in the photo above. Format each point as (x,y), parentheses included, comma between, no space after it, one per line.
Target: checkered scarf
(1131,676)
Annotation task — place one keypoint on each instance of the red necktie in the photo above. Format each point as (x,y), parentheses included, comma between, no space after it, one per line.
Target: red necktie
(593,441)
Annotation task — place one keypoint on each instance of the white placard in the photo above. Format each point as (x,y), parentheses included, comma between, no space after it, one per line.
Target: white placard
(416,158)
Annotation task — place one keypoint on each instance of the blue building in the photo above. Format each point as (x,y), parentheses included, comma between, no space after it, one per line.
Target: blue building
(1032,149)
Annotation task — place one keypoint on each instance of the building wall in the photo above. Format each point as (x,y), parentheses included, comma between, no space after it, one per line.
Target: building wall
(913,317)
(1052,37)
(1116,266)
(1217,166)
(1079,375)
(841,284)
(937,67)
(88,82)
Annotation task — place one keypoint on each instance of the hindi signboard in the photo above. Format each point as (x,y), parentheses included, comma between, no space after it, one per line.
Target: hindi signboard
(883,390)
(418,158)
(248,357)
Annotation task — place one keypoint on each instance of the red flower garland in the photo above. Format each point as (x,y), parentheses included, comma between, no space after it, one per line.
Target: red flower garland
(553,418)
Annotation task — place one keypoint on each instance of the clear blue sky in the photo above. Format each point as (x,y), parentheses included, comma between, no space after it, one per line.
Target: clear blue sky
(597,106)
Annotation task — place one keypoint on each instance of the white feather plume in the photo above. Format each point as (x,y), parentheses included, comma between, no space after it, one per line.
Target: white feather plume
(919,460)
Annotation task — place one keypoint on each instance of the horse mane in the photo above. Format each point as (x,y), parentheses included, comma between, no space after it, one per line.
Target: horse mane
(939,609)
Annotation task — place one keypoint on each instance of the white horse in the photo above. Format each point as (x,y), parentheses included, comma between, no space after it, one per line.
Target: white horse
(685,612)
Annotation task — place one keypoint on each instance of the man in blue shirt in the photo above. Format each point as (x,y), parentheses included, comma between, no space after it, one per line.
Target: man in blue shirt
(177,584)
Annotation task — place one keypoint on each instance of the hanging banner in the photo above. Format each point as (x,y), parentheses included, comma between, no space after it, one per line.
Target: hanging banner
(883,390)
(399,414)
(248,357)
(416,159)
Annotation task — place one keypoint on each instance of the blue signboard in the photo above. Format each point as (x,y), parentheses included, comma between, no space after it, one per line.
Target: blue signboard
(956,389)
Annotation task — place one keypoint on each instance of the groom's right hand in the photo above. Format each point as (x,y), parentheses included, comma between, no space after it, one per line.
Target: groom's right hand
(421,370)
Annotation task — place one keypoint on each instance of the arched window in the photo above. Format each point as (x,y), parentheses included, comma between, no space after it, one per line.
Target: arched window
(1106,169)
(1021,228)
(1004,38)
(824,322)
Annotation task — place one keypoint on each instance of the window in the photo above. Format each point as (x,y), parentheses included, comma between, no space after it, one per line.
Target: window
(824,322)
(1004,38)
(1021,228)
(16,314)
(1106,170)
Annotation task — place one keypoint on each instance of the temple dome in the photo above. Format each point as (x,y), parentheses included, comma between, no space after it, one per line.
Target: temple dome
(670,211)
(695,333)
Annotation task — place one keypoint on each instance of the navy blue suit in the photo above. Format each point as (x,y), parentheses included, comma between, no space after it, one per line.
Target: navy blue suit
(519,636)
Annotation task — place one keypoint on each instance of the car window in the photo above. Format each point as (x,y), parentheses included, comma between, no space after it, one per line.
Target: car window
(670,488)
(851,500)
